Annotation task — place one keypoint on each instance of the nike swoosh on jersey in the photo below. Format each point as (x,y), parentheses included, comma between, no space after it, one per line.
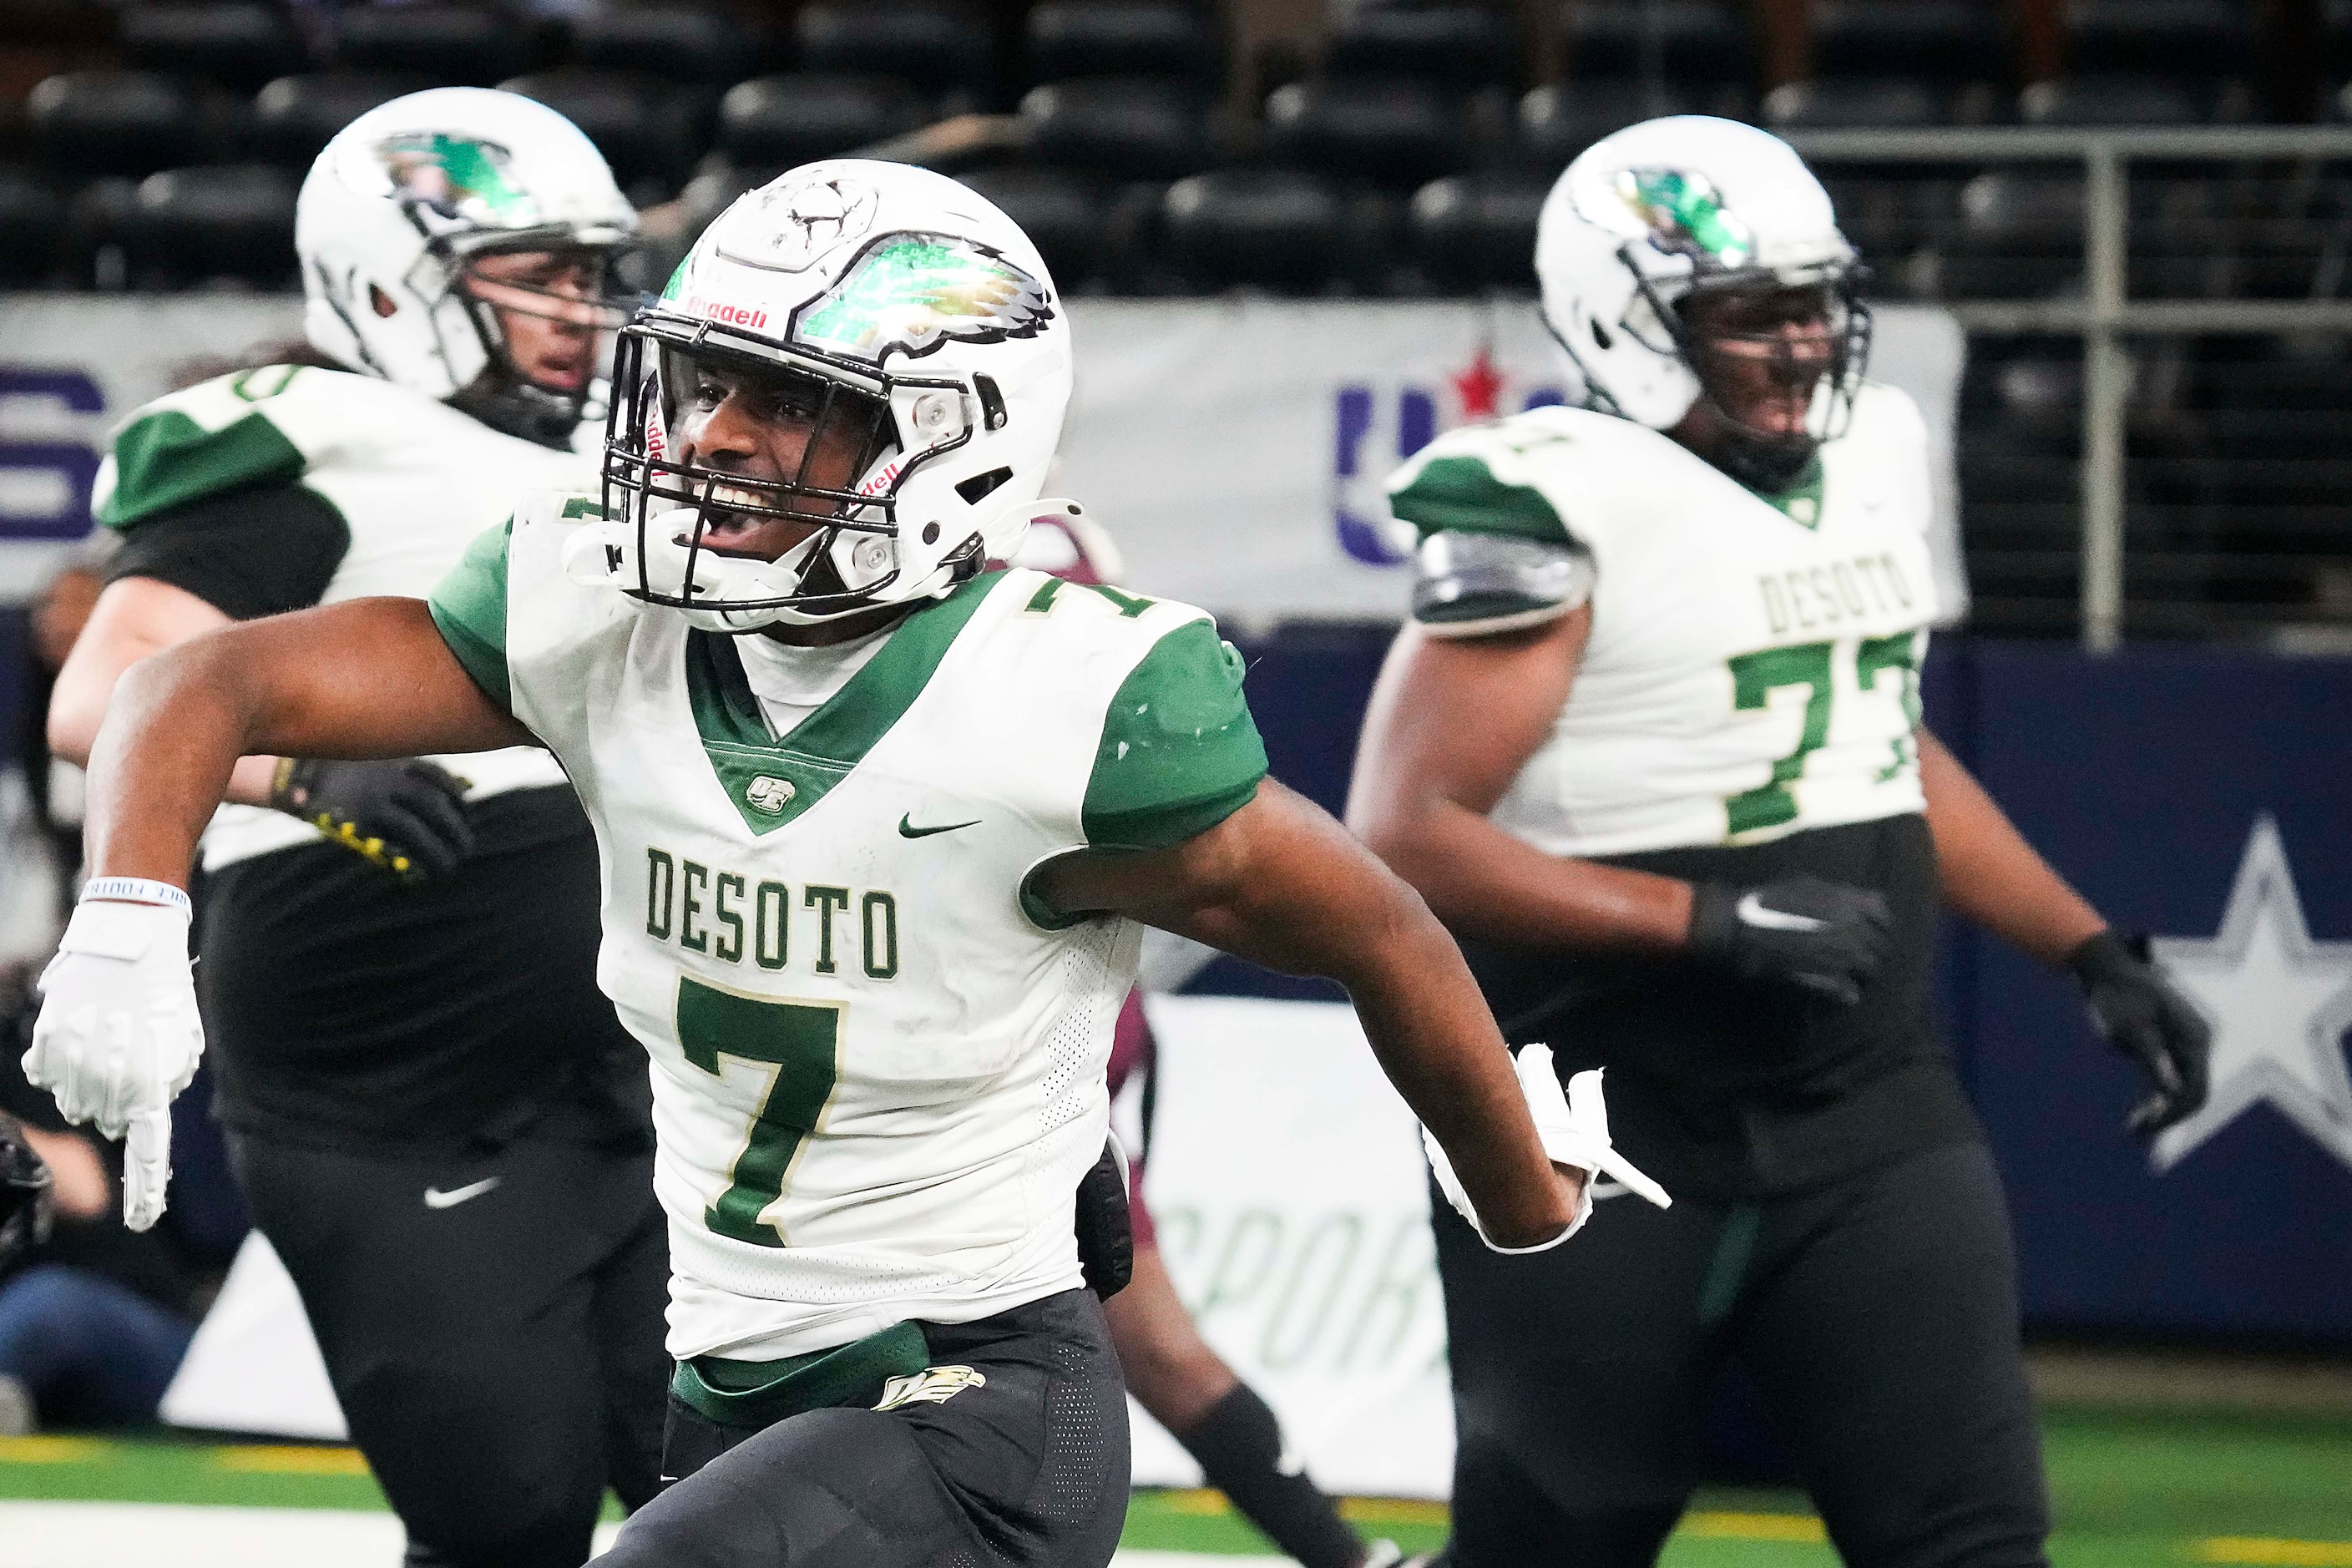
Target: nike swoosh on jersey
(1754,911)
(434,1198)
(906,829)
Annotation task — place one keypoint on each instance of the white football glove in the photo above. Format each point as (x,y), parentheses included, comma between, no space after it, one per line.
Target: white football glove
(119,1038)
(1574,1129)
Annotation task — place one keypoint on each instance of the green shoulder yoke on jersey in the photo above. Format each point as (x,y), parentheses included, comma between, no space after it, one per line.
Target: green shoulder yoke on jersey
(209,440)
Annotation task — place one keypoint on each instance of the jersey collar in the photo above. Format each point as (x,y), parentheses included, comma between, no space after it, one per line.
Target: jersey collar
(774,779)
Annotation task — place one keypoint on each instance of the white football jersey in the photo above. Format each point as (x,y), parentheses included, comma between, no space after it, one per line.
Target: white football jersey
(1753,665)
(877,1063)
(415,481)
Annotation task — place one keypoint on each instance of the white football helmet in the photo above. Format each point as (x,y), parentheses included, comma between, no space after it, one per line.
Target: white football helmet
(1651,215)
(900,314)
(405,197)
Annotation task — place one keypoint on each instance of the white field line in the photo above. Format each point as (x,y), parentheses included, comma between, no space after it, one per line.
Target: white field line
(171,1535)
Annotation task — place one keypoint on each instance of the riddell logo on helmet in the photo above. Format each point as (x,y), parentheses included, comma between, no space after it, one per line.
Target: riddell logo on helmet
(733,315)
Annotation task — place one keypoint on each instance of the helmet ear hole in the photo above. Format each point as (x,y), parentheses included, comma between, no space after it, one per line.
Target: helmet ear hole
(975,489)
(1601,337)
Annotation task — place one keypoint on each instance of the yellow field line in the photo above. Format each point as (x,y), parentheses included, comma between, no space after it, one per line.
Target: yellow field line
(2274,1550)
(51,1450)
(1754,1526)
(290,1459)
(1393,1511)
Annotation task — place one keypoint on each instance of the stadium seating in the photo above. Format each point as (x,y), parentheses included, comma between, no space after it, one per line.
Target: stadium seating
(239,45)
(1137,38)
(295,116)
(1281,230)
(123,122)
(940,49)
(1131,128)
(1478,231)
(2112,100)
(1397,131)
(645,128)
(1558,122)
(1851,102)
(776,122)
(453,45)
(1467,46)
(2161,37)
(1695,44)
(1944,42)
(202,224)
(1062,211)
(30,218)
(676,43)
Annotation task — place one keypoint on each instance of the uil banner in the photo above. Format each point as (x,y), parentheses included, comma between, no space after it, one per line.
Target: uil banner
(1288,1181)
(71,367)
(1234,447)
(1237,447)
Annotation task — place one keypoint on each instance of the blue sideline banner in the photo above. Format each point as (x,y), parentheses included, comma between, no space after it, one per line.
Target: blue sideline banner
(2197,794)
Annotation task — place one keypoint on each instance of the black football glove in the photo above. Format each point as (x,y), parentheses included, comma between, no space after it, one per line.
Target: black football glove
(1823,937)
(24,1196)
(407,816)
(2140,1013)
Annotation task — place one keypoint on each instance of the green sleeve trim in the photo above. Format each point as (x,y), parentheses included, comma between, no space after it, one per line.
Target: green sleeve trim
(1462,493)
(1179,752)
(166,459)
(470,605)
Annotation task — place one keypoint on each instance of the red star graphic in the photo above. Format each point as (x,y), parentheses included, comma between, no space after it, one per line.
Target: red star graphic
(1478,387)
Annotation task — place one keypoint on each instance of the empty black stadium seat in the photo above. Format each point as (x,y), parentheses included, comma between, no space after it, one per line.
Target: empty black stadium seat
(1397,131)
(1463,45)
(1119,38)
(1842,102)
(31,217)
(119,122)
(1946,41)
(2021,237)
(1063,212)
(1692,43)
(295,116)
(241,44)
(2112,100)
(199,224)
(453,45)
(2177,38)
(1131,128)
(940,48)
(796,117)
(680,43)
(1558,122)
(645,128)
(1478,231)
(1279,229)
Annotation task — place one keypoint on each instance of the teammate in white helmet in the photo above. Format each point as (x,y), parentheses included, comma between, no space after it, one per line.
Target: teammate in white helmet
(440,1125)
(876,826)
(1696,836)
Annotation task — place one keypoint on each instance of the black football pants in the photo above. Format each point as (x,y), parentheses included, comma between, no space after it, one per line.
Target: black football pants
(1876,1316)
(497,1351)
(1027,1468)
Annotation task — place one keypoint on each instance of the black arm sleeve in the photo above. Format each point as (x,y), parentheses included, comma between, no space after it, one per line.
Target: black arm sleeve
(255,551)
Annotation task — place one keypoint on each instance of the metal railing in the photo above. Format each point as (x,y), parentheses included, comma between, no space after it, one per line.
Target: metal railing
(2105,313)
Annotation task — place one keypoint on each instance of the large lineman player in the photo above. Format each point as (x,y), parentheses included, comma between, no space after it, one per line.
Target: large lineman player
(1697,834)
(440,1125)
(871,874)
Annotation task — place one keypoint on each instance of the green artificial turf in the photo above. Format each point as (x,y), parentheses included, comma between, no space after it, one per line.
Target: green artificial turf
(2130,1489)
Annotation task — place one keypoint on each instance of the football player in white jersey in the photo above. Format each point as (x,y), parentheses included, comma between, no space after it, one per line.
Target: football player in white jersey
(877,825)
(440,1125)
(1698,833)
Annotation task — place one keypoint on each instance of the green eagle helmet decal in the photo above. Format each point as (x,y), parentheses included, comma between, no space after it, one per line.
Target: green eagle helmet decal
(914,292)
(1687,216)
(458,178)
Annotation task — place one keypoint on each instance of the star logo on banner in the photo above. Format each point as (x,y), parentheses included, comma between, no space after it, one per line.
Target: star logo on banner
(2279,1003)
(1480,388)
